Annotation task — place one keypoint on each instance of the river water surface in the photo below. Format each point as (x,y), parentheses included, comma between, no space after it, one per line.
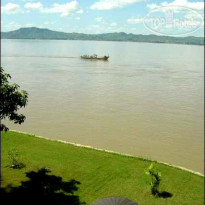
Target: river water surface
(147,100)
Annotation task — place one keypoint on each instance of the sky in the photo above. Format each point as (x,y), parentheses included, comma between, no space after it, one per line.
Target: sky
(105,16)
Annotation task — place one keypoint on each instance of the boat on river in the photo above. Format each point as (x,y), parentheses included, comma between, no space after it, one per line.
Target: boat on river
(94,57)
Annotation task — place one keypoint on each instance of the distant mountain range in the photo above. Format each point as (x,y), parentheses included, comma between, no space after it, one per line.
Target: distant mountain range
(39,33)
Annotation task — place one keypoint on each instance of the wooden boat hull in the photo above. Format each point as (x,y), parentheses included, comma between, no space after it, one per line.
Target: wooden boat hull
(103,58)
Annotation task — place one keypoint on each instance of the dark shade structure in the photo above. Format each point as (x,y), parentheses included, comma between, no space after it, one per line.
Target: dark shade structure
(114,201)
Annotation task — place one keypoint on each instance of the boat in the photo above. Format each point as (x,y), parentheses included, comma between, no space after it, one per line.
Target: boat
(94,57)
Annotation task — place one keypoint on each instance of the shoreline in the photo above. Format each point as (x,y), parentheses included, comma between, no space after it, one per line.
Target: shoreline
(166,43)
(110,151)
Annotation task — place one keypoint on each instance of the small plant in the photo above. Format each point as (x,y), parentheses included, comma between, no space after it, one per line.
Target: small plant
(155,178)
(14,158)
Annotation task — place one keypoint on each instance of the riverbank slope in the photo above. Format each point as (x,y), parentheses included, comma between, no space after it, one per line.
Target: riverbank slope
(101,174)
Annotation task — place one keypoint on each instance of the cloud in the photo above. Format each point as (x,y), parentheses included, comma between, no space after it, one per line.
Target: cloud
(80,11)
(113,24)
(11,8)
(183,3)
(13,26)
(152,6)
(112,4)
(195,18)
(193,15)
(99,19)
(63,9)
(135,20)
(36,5)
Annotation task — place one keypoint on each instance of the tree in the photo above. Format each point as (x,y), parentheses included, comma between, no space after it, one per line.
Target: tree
(12,99)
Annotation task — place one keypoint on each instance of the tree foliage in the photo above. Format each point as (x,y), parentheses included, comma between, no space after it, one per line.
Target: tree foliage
(12,99)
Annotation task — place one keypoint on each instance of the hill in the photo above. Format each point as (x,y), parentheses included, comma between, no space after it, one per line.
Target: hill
(38,33)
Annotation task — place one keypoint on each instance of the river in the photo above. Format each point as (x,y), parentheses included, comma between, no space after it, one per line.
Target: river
(147,100)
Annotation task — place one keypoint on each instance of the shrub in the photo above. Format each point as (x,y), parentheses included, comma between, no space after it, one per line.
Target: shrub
(155,178)
(14,158)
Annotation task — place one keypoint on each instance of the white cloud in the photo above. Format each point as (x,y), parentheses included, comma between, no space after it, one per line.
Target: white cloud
(113,24)
(13,26)
(183,3)
(193,15)
(63,9)
(11,8)
(80,11)
(112,4)
(36,5)
(152,6)
(99,19)
(195,18)
(135,20)
(186,3)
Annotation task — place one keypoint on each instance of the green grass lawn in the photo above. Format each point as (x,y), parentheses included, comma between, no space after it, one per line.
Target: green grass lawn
(101,174)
